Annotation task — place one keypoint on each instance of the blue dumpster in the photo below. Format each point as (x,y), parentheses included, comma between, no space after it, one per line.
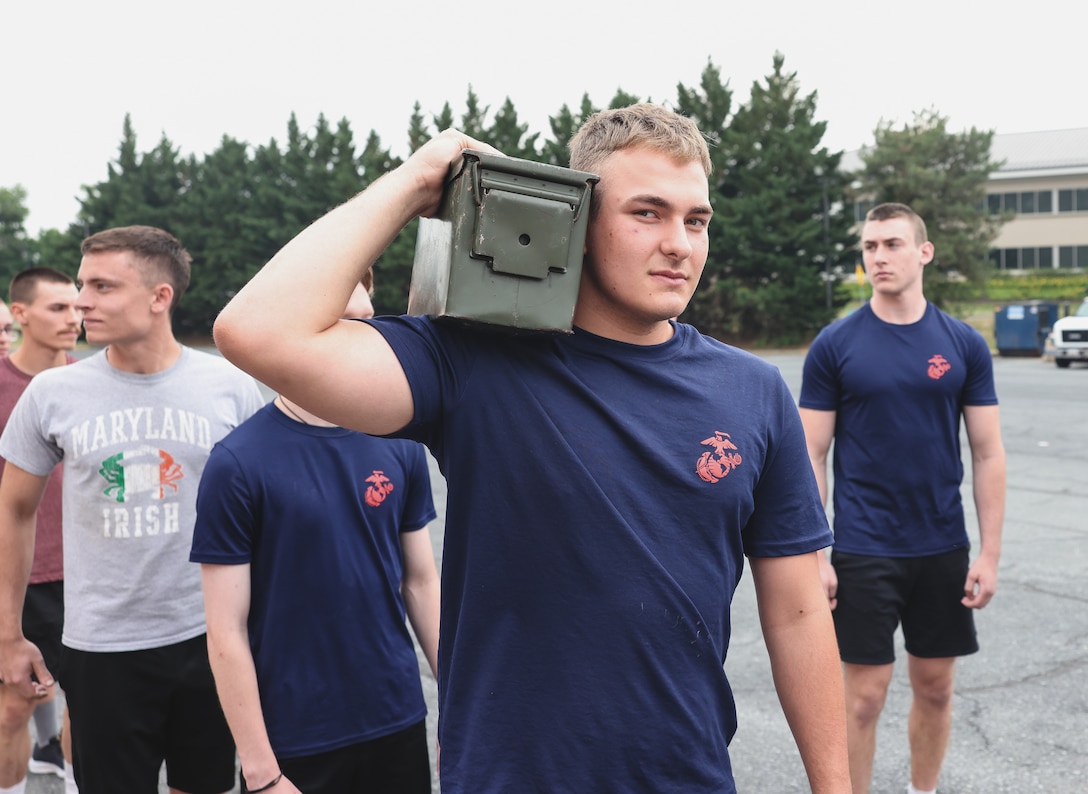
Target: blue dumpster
(1020,329)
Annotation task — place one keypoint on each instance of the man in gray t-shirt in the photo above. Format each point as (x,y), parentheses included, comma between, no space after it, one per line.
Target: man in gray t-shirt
(134,425)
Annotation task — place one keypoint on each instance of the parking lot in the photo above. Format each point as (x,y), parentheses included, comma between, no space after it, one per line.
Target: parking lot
(1021,707)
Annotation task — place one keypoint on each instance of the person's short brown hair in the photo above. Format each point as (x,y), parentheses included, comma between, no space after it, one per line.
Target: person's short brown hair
(159,251)
(24,285)
(642,125)
(891,210)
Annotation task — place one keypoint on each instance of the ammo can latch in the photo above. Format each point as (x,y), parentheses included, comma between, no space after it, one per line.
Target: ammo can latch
(524,223)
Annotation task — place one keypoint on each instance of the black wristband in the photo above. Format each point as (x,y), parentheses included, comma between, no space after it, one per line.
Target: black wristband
(266,786)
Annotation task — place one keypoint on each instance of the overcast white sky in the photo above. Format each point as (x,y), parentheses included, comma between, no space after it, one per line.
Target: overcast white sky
(197,70)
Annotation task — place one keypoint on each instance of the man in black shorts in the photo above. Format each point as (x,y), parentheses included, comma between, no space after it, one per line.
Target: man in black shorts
(890,385)
(321,698)
(134,425)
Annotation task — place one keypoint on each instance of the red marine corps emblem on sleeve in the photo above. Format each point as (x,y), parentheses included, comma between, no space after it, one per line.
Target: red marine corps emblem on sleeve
(938,366)
(712,466)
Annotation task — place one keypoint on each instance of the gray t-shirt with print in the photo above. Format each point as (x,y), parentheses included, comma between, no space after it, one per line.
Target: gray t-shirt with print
(134,447)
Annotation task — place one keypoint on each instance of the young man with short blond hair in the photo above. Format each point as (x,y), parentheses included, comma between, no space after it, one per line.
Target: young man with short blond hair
(590,553)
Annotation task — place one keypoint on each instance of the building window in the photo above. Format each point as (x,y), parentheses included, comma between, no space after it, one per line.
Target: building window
(1070,256)
(1038,258)
(1027,202)
(1073,200)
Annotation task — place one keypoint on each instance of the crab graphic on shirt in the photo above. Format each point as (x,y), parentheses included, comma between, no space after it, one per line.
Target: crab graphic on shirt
(140,470)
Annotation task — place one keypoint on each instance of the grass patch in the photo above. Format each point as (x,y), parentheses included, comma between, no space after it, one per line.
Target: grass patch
(1044,286)
(980,316)
(1067,290)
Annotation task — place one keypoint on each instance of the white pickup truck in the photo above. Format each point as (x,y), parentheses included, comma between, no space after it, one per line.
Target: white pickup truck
(1068,340)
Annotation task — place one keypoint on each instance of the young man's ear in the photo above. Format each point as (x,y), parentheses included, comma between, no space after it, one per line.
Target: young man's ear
(161,297)
(18,312)
(927,252)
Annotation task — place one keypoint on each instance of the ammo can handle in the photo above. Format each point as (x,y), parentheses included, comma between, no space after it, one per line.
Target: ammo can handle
(549,179)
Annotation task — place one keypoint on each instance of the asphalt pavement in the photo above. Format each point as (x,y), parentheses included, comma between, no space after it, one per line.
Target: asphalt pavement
(1020,719)
(1021,703)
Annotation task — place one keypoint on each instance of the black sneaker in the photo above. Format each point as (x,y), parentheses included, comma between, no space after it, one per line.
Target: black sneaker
(48,759)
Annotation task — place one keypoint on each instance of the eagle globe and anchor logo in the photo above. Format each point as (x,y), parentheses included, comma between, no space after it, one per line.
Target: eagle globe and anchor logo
(724,458)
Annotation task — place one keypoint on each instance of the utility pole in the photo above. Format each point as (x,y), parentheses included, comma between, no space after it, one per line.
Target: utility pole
(827,241)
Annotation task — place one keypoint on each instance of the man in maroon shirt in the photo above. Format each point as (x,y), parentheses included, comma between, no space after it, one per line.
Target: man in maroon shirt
(43,302)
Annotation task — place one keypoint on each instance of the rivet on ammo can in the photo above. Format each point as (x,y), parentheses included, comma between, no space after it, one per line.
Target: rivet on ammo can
(505,248)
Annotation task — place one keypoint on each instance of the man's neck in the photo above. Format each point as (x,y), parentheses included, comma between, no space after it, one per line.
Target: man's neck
(607,324)
(32,358)
(300,414)
(899,309)
(145,357)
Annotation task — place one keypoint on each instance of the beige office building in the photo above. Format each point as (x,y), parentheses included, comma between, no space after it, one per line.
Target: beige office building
(1044,180)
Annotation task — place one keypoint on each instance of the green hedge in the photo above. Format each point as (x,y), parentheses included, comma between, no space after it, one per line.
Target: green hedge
(1036,286)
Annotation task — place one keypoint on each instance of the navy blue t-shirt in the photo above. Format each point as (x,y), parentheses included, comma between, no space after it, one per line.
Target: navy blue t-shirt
(318,514)
(601,497)
(899,393)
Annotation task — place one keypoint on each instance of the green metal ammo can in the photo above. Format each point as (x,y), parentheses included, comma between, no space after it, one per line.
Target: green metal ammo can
(505,248)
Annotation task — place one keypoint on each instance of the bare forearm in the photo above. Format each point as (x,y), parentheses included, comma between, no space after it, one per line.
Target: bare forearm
(16,559)
(808,679)
(302,291)
(797,627)
(819,470)
(819,429)
(983,425)
(989,494)
(420,589)
(236,682)
(284,327)
(421,603)
(336,250)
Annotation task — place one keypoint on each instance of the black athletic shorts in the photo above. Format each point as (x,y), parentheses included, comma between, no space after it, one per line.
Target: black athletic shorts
(395,764)
(132,710)
(877,594)
(43,620)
